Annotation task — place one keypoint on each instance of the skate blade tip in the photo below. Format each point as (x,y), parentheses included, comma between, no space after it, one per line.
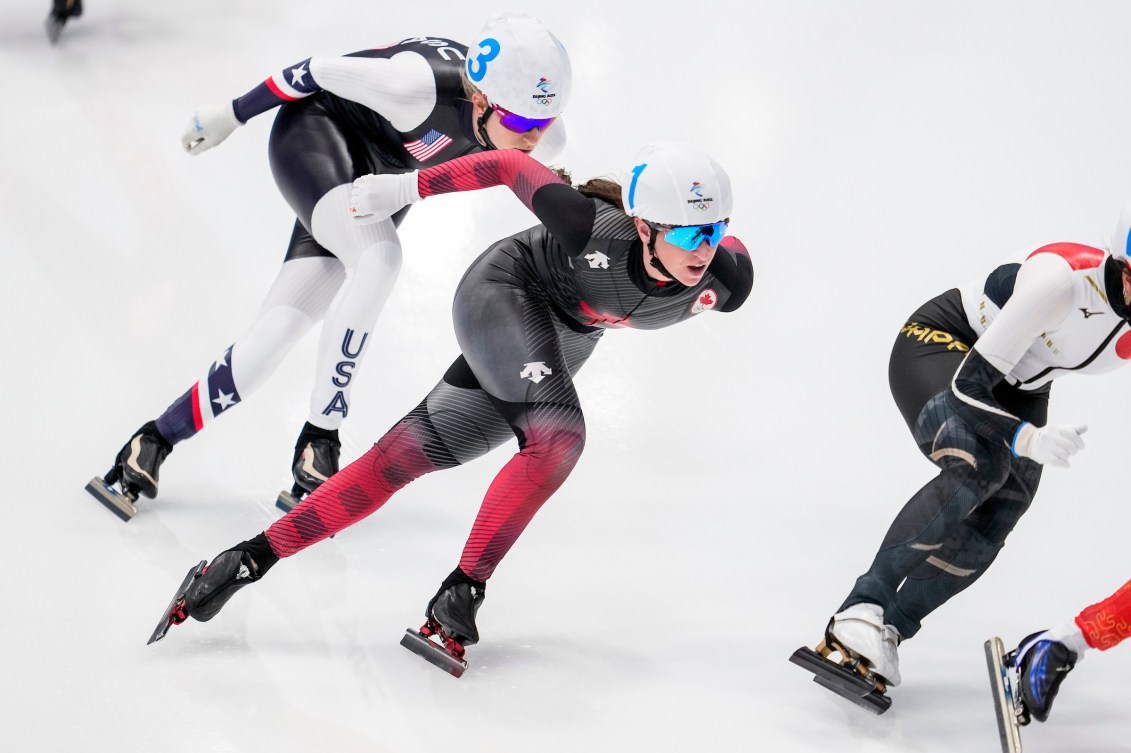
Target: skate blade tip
(111,500)
(432,653)
(286,501)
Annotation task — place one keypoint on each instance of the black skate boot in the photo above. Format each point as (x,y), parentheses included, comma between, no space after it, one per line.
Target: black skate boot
(451,620)
(135,472)
(1042,664)
(61,10)
(208,587)
(315,460)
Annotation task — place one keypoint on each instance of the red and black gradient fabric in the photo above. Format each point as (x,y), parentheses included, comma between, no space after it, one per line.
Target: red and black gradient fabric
(407,452)
(506,167)
(551,438)
(1108,623)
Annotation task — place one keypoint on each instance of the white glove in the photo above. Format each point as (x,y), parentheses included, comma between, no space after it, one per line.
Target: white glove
(209,126)
(378,197)
(1049,445)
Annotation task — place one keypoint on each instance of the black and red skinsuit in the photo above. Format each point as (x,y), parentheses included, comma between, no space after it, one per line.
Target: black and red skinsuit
(528,313)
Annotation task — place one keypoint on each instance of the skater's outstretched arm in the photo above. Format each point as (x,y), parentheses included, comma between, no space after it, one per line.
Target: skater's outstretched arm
(401,87)
(565,212)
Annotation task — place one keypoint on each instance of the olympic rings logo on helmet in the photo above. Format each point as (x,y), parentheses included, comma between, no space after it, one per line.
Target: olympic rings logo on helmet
(477,66)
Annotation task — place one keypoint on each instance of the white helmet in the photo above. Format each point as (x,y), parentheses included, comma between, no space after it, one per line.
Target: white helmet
(1121,237)
(675,184)
(520,66)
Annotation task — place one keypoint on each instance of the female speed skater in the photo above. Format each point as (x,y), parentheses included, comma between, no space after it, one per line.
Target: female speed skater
(1031,674)
(971,372)
(422,101)
(527,315)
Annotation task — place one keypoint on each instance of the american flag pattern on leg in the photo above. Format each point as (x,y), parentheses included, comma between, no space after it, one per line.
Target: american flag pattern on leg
(204,401)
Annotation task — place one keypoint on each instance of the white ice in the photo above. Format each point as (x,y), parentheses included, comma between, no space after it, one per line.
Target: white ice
(740,470)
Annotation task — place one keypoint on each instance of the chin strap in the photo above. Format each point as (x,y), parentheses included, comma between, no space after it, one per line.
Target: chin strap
(655,260)
(482,125)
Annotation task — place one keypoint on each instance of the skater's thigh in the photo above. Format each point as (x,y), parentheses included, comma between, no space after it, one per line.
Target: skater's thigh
(922,364)
(464,417)
(374,247)
(310,155)
(315,161)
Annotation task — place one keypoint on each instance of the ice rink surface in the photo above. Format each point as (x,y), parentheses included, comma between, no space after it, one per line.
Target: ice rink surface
(740,469)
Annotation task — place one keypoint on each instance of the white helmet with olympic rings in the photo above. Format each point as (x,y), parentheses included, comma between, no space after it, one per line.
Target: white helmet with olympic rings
(520,66)
(678,185)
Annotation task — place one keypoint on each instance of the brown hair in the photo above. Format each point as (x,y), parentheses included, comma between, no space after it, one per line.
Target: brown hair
(595,188)
(603,189)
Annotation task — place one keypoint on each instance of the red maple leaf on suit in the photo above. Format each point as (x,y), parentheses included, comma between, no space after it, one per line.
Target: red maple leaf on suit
(707,299)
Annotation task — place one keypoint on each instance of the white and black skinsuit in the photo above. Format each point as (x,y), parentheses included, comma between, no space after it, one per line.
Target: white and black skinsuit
(967,371)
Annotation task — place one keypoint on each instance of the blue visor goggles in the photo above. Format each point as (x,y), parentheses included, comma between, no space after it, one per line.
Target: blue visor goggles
(689,237)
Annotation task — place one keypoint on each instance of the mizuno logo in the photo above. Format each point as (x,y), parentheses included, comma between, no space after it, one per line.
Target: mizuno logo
(1088,314)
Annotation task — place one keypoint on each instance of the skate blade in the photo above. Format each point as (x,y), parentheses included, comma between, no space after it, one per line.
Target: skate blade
(415,642)
(165,624)
(54,29)
(287,501)
(847,683)
(1004,702)
(115,501)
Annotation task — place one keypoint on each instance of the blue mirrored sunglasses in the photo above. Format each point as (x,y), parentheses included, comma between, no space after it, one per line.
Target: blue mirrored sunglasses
(688,237)
(519,123)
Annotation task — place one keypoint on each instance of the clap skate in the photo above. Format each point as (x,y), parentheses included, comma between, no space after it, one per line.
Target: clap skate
(135,472)
(869,659)
(1025,682)
(1011,714)
(315,460)
(175,613)
(207,588)
(450,625)
(849,677)
(445,652)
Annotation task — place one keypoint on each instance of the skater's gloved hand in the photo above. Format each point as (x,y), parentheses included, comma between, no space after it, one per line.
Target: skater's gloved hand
(209,126)
(378,197)
(1049,445)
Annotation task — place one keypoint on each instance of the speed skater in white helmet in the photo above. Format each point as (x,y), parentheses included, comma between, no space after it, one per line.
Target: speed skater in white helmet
(416,103)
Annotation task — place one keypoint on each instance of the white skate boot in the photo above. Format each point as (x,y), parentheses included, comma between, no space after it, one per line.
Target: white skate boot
(861,630)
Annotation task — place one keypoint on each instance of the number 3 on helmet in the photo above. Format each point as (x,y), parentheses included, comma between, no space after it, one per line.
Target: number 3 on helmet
(520,66)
